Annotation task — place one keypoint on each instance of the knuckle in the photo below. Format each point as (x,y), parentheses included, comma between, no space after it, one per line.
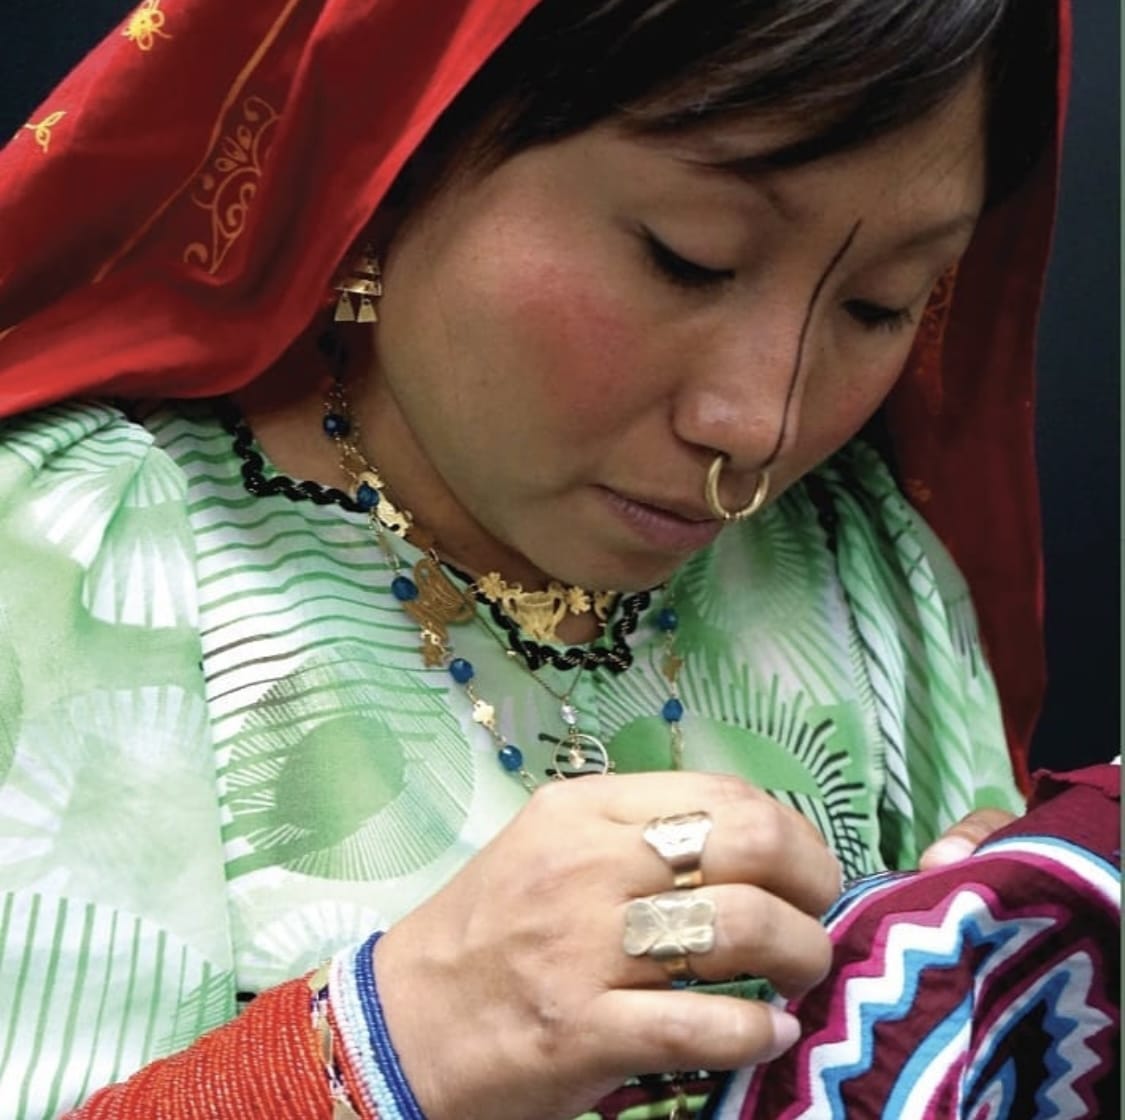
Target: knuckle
(806,968)
(822,953)
(765,837)
(973,831)
(766,927)
(733,1032)
(558,1035)
(813,964)
(987,821)
(547,1027)
(827,889)
(677,1034)
(557,870)
(549,798)
(749,923)
(742,1033)
(729,789)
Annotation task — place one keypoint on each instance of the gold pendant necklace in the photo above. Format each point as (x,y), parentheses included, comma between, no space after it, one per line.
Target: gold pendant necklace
(539,613)
(435,603)
(438,606)
(579,752)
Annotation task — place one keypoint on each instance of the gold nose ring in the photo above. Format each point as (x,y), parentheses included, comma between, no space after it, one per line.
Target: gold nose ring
(714,503)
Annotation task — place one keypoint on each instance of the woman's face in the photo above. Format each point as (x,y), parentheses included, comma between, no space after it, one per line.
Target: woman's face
(568,340)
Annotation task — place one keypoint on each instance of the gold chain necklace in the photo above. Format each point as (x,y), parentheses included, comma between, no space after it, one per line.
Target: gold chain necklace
(537,613)
(435,603)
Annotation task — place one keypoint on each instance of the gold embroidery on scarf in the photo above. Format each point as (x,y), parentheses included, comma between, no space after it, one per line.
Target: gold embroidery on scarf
(42,130)
(931,331)
(145,24)
(228,187)
(925,361)
(244,75)
(917,491)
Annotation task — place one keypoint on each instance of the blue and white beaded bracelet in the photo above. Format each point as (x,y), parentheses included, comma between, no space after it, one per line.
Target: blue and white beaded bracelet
(367,1042)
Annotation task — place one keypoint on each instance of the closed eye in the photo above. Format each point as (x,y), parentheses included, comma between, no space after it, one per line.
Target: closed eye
(679,270)
(876,317)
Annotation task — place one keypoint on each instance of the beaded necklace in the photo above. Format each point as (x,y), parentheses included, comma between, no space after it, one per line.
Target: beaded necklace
(434,602)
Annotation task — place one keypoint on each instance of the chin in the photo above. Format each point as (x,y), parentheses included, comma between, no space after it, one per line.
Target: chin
(614,573)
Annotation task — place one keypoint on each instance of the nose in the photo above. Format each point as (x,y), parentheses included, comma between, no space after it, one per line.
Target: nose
(741,396)
(742,385)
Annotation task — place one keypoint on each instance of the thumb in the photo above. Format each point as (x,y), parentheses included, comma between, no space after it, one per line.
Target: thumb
(960,841)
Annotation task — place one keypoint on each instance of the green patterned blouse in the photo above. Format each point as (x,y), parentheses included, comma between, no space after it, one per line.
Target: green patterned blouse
(222,757)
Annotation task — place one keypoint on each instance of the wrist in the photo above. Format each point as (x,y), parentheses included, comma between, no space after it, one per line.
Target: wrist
(366,1039)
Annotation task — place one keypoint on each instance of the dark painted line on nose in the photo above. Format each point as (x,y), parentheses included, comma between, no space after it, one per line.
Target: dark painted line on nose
(831,267)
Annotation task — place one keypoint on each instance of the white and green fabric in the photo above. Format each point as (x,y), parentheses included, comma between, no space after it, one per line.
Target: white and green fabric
(222,758)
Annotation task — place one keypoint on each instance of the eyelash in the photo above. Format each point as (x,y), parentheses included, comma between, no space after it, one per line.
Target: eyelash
(687,274)
(679,270)
(876,317)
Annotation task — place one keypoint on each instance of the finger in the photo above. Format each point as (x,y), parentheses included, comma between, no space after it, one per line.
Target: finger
(960,841)
(663,1031)
(637,798)
(756,840)
(757,934)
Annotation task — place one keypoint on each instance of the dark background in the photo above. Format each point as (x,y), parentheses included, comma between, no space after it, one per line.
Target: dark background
(1079,427)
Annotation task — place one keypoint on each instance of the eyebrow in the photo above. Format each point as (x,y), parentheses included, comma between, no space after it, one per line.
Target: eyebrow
(941,230)
(754,171)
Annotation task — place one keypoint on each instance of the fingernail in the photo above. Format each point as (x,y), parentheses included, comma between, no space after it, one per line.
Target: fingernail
(786,1031)
(950,849)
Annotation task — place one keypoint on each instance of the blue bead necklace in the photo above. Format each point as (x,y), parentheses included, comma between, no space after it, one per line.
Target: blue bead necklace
(435,603)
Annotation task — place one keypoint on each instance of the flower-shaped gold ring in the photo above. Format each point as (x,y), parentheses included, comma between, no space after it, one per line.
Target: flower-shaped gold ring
(667,927)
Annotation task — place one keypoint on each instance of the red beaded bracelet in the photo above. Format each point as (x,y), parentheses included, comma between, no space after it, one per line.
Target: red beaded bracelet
(266,1064)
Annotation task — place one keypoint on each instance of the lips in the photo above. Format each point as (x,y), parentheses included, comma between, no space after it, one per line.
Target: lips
(666,525)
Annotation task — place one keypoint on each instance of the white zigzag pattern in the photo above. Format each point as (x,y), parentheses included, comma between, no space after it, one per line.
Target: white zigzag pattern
(1096,873)
(1099,876)
(993,1102)
(1073,1003)
(865,992)
(931,1078)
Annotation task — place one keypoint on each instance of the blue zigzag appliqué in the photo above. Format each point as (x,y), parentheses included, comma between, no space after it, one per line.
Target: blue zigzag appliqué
(911,949)
(1069,1021)
(947,1033)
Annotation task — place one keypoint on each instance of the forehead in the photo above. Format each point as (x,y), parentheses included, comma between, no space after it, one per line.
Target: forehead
(945,146)
(920,183)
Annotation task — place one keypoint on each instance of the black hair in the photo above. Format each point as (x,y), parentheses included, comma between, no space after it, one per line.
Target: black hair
(853,69)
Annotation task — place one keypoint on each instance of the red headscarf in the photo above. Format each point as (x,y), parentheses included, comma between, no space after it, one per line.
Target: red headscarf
(172,217)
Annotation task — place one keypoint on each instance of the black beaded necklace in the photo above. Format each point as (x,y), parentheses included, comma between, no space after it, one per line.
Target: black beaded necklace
(610,651)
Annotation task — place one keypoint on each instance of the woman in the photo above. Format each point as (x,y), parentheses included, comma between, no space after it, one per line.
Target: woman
(585,497)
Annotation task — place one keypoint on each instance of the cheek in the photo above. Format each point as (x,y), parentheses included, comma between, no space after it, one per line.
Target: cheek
(576,346)
(840,407)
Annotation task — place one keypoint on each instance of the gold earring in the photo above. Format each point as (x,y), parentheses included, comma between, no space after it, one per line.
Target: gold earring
(714,503)
(365,281)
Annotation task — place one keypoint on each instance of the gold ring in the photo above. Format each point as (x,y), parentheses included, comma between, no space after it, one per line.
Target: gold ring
(714,502)
(669,926)
(678,968)
(679,840)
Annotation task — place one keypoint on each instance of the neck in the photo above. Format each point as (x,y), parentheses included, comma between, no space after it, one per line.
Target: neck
(285,415)
(415,484)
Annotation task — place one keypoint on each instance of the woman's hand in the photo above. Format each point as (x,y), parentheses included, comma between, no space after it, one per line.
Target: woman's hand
(960,841)
(508,995)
